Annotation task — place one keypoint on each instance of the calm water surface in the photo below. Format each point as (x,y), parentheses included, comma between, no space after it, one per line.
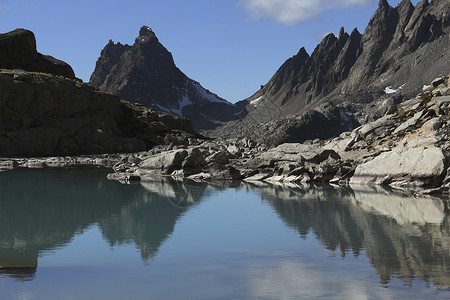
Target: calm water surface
(72,234)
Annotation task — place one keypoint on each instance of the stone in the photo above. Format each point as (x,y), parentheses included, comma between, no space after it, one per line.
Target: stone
(299,152)
(440,80)
(426,136)
(368,128)
(194,162)
(258,177)
(223,173)
(219,157)
(340,145)
(234,150)
(421,166)
(163,163)
(410,122)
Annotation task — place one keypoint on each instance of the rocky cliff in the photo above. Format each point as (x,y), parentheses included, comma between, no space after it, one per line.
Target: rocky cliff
(363,75)
(50,113)
(146,73)
(18,51)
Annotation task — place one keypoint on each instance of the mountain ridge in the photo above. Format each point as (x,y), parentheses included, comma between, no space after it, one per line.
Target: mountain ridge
(362,75)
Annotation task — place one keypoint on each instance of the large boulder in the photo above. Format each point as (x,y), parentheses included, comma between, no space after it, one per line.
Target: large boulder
(18,51)
(421,166)
(296,152)
(163,163)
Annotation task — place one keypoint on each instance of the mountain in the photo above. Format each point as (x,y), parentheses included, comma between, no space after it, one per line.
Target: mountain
(350,78)
(146,73)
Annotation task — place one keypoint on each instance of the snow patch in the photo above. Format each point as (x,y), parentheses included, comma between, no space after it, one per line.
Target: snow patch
(256,101)
(207,95)
(163,108)
(185,101)
(425,87)
(238,113)
(390,90)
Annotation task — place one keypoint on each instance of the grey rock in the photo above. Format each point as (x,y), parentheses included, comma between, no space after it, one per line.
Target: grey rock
(299,152)
(410,122)
(220,172)
(194,162)
(440,80)
(163,163)
(416,166)
(220,157)
(368,128)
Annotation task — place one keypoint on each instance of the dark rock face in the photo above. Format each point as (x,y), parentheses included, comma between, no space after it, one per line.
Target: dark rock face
(323,122)
(46,115)
(18,51)
(402,49)
(146,73)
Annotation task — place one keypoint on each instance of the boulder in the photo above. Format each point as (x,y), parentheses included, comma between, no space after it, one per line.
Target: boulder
(410,122)
(300,152)
(368,128)
(218,172)
(219,157)
(194,162)
(163,163)
(421,166)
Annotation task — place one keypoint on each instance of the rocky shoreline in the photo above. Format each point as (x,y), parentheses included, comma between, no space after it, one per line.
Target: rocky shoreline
(408,148)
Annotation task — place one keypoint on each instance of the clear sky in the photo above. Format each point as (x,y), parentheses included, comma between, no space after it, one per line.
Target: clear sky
(231,47)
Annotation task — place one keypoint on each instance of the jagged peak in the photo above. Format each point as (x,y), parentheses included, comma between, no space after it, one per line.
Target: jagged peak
(404,3)
(355,32)
(146,34)
(383,4)
(341,32)
(146,31)
(302,52)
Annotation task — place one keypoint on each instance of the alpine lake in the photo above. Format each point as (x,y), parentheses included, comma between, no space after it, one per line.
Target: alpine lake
(73,234)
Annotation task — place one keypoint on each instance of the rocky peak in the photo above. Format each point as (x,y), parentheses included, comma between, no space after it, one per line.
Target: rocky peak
(401,49)
(146,73)
(383,4)
(146,31)
(146,34)
(341,33)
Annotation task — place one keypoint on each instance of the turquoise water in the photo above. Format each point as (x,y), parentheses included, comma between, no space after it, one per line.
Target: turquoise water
(72,234)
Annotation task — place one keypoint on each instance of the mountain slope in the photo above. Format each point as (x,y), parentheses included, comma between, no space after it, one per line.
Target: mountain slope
(360,75)
(146,73)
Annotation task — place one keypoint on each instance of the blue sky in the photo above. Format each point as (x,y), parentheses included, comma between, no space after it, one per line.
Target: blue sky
(231,47)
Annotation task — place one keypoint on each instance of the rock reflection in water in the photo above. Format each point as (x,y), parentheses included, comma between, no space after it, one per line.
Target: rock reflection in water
(403,236)
(53,206)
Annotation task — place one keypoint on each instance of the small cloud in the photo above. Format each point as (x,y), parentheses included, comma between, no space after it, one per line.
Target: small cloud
(291,12)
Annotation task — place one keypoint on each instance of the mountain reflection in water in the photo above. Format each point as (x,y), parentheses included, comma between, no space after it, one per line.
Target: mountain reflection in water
(403,236)
(41,210)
